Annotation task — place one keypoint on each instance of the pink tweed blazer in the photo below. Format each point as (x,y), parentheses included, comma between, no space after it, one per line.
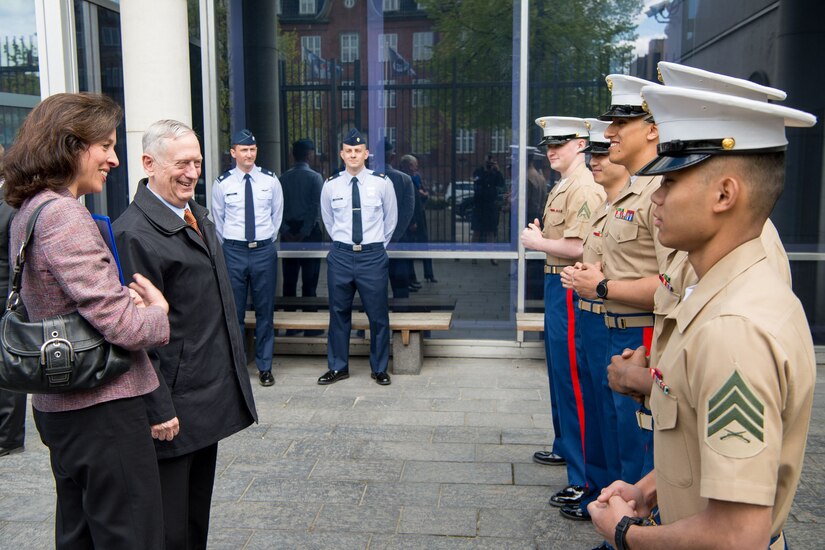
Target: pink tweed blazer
(69,268)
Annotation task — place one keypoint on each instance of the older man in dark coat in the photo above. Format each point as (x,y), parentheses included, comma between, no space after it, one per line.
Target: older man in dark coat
(204,384)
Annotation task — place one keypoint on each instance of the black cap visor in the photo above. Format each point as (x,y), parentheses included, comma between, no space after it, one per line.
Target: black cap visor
(664,164)
(558,140)
(597,148)
(623,111)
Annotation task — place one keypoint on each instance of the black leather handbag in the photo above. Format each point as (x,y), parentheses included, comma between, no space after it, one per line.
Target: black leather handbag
(56,355)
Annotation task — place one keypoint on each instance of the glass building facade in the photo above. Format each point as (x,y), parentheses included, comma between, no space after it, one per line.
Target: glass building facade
(457,85)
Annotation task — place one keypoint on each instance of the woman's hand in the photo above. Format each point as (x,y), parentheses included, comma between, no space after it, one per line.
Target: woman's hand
(147,293)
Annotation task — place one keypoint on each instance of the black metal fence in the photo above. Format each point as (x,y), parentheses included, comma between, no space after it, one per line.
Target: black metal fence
(453,125)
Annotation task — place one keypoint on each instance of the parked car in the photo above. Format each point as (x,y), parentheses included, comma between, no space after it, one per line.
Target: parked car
(463,189)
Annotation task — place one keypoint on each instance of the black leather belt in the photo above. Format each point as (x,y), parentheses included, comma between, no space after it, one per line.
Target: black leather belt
(357,247)
(247,244)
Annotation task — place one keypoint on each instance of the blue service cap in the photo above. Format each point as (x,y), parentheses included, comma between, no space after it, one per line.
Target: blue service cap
(243,137)
(354,138)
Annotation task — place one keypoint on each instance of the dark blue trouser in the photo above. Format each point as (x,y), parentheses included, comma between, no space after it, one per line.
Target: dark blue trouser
(591,346)
(255,269)
(310,270)
(560,314)
(631,455)
(366,272)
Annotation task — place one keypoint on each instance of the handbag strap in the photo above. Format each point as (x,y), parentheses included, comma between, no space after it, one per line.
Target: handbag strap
(17,273)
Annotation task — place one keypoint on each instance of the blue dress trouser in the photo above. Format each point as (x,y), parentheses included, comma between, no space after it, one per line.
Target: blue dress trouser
(591,346)
(255,269)
(366,272)
(560,313)
(630,451)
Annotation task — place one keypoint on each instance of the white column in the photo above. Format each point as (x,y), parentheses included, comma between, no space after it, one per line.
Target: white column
(56,46)
(155,38)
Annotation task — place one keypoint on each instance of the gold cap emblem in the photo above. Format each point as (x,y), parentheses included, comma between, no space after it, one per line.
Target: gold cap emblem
(728,143)
(587,124)
(645,108)
(541,122)
(659,75)
(609,85)
(358,140)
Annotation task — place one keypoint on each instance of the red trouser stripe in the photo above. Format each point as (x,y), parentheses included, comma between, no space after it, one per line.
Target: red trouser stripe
(574,369)
(647,338)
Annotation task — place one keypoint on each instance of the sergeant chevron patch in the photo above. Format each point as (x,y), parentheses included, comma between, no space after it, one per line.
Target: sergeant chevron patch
(736,420)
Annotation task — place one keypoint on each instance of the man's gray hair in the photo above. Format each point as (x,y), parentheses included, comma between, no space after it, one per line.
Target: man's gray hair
(156,136)
(408,160)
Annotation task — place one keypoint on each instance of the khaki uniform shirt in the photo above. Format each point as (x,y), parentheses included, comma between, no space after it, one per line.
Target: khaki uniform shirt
(568,209)
(680,275)
(741,371)
(593,245)
(631,249)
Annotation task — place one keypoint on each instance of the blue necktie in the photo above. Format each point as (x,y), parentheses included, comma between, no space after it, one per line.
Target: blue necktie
(357,230)
(249,210)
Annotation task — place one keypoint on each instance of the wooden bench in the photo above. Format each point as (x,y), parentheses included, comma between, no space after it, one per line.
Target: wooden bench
(530,322)
(413,303)
(406,327)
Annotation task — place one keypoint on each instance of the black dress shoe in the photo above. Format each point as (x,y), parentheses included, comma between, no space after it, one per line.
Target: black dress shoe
(332,376)
(414,288)
(548,457)
(381,378)
(266,378)
(569,496)
(431,280)
(415,284)
(576,513)
(4,451)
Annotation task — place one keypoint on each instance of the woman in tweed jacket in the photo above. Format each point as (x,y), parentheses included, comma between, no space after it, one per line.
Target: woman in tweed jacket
(99,440)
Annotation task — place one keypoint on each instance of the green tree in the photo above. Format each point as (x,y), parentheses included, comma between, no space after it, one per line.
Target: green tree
(572,45)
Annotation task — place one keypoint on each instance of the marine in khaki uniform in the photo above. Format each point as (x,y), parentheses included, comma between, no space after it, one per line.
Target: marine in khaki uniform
(679,275)
(591,331)
(566,220)
(733,403)
(629,273)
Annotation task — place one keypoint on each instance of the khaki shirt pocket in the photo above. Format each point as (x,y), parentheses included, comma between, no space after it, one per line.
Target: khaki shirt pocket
(553,218)
(672,458)
(623,231)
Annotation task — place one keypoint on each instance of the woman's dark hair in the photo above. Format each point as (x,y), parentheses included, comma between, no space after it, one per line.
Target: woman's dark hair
(46,153)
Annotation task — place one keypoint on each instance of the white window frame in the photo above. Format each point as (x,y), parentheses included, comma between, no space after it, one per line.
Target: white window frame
(422,46)
(312,43)
(391,5)
(465,141)
(420,97)
(387,98)
(306,7)
(499,140)
(385,42)
(350,44)
(348,96)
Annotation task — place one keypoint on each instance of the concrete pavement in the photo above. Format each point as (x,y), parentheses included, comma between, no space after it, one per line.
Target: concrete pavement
(438,460)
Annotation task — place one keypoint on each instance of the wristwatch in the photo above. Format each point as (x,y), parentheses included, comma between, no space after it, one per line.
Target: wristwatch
(601,289)
(622,527)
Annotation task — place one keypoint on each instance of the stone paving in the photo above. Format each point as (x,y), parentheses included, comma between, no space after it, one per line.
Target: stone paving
(438,460)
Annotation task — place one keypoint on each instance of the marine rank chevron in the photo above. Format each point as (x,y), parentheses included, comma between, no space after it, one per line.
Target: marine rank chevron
(736,419)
